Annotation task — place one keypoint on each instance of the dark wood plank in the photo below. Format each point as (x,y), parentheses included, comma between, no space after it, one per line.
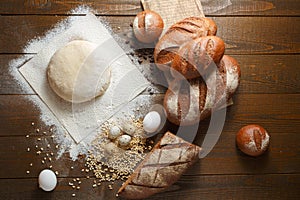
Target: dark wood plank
(12,82)
(20,30)
(188,187)
(259,35)
(103,7)
(17,116)
(28,189)
(261,8)
(131,7)
(242,35)
(224,159)
(282,122)
(269,74)
(260,74)
(275,111)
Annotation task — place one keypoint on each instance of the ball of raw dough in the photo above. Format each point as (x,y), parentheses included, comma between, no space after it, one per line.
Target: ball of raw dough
(74,75)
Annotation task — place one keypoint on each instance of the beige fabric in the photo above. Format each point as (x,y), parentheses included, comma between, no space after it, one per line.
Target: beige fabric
(173,11)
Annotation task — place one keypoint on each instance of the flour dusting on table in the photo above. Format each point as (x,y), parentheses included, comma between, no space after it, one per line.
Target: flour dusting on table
(67,144)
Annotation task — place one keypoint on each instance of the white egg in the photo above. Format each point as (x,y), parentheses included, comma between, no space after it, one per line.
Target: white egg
(124,140)
(151,122)
(114,132)
(47,180)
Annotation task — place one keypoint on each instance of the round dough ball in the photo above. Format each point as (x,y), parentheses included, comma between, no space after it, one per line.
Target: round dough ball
(253,140)
(76,77)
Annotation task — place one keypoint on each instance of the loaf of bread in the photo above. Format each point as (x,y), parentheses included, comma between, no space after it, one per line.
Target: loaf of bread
(178,34)
(198,57)
(163,166)
(189,101)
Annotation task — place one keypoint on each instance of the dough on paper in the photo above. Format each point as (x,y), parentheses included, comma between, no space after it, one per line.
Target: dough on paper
(75,78)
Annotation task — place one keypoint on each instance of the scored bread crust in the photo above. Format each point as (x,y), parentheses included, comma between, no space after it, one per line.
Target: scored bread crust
(203,95)
(198,57)
(178,34)
(162,167)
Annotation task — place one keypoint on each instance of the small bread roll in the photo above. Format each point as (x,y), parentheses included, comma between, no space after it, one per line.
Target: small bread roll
(253,140)
(177,35)
(148,26)
(197,57)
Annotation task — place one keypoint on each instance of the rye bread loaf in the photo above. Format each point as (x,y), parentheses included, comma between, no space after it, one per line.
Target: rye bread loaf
(197,57)
(189,101)
(178,34)
(162,167)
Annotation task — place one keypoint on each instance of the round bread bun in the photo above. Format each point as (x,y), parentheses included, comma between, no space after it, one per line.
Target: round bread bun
(76,77)
(253,140)
(147,26)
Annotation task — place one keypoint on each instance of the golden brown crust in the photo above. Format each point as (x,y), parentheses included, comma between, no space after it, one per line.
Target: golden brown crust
(207,94)
(253,140)
(197,57)
(185,108)
(163,166)
(180,33)
(147,26)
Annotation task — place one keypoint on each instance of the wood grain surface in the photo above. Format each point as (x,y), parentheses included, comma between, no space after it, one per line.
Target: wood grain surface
(242,35)
(262,35)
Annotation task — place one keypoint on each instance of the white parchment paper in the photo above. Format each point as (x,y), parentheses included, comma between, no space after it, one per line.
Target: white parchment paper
(80,120)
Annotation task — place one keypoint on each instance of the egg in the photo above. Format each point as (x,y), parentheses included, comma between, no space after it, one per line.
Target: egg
(47,180)
(124,140)
(151,122)
(114,132)
(129,129)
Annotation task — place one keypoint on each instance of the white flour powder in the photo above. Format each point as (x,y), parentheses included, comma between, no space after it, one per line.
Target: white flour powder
(67,144)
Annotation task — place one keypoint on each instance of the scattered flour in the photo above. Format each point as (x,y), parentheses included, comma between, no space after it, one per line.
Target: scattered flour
(64,140)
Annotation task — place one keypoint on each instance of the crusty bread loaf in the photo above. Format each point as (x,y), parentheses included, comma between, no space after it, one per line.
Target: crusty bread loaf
(197,57)
(163,166)
(188,102)
(178,34)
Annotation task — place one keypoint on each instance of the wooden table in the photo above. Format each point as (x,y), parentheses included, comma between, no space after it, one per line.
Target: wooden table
(262,35)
